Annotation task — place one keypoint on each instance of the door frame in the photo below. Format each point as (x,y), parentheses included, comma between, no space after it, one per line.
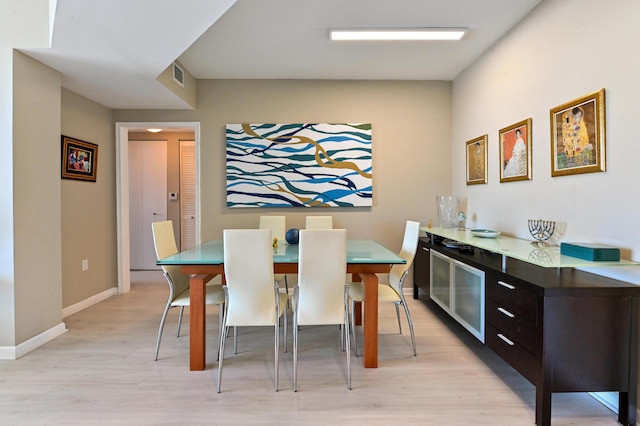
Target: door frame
(122,189)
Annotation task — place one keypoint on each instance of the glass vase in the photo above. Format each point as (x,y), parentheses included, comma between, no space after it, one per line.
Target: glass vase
(447,206)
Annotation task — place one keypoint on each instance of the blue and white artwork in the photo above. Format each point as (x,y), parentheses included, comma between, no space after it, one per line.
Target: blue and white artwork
(299,165)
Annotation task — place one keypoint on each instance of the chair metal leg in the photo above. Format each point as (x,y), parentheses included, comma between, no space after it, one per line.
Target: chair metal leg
(348,351)
(285,320)
(398,317)
(223,337)
(220,314)
(235,340)
(295,351)
(410,321)
(220,360)
(348,344)
(277,350)
(162,321)
(180,320)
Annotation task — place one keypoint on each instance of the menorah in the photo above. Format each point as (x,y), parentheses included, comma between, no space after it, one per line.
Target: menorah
(541,230)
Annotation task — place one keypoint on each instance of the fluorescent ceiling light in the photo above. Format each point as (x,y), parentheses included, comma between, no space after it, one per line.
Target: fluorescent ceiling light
(154,130)
(398,34)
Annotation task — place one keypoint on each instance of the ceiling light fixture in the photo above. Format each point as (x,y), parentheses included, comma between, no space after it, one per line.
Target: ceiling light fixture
(363,34)
(154,130)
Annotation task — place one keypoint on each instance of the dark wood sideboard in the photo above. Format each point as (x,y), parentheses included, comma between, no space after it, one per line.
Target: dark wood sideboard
(563,329)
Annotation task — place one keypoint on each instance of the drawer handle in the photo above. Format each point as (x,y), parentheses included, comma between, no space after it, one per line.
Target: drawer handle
(507,313)
(425,249)
(507,341)
(509,286)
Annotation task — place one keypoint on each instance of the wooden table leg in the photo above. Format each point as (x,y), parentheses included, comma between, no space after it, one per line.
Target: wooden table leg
(357,307)
(197,321)
(370,320)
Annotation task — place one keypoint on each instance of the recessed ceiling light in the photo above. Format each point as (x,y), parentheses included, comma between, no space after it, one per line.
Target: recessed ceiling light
(397,34)
(154,130)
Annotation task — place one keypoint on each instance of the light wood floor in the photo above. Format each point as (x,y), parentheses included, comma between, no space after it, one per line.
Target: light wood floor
(101,372)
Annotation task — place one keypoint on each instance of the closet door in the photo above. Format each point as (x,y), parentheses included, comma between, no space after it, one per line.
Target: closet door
(187,194)
(147,199)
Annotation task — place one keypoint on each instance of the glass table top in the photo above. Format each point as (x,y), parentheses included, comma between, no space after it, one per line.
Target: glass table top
(211,253)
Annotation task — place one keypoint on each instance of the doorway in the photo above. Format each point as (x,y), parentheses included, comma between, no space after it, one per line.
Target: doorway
(123,189)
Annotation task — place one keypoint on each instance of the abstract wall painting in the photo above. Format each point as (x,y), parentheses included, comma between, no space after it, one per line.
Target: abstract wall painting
(299,165)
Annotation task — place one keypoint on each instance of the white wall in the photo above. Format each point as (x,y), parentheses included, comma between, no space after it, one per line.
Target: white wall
(26,23)
(563,50)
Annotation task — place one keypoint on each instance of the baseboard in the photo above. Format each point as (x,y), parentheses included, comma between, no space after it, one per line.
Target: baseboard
(15,352)
(77,307)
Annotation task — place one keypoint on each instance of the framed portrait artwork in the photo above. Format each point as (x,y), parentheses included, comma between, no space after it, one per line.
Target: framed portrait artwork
(79,159)
(477,160)
(515,151)
(578,136)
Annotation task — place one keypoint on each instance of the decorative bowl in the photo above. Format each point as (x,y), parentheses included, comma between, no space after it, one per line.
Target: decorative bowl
(451,243)
(292,236)
(484,233)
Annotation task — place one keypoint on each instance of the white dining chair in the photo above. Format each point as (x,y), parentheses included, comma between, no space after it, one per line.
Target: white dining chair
(319,222)
(179,296)
(321,295)
(251,297)
(278,230)
(392,292)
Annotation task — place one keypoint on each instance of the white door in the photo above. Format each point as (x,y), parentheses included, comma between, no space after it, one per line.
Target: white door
(147,199)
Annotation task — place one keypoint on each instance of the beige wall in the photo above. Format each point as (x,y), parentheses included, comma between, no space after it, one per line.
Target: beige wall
(88,208)
(36,198)
(411,129)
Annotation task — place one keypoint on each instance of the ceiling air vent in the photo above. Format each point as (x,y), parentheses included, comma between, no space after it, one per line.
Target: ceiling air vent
(178,74)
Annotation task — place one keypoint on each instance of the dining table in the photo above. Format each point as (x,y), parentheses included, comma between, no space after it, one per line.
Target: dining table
(203,262)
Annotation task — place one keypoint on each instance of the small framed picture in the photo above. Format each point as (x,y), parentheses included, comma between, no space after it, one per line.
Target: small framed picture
(79,159)
(515,151)
(578,136)
(477,160)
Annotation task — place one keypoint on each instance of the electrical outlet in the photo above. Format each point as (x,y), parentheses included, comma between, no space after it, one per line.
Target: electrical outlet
(85,264)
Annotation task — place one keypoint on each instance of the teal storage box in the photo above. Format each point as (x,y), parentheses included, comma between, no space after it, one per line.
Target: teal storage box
(587,251)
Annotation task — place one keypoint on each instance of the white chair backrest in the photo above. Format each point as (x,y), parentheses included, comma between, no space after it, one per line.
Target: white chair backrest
(322,269)
(164,242)
(248,269)
(408,252)
(277,226)
(164,239)
(319,222)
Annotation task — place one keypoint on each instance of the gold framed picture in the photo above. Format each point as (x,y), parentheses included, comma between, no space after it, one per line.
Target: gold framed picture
(477,160)
(79,159)
(515,151)
(578,136)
